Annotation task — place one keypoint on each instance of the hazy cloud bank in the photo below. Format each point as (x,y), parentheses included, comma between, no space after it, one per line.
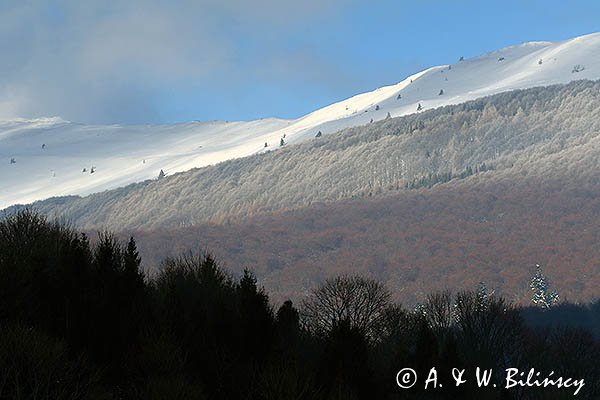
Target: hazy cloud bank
(117,61)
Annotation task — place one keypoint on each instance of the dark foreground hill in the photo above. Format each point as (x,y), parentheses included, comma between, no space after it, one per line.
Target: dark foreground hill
(81,321)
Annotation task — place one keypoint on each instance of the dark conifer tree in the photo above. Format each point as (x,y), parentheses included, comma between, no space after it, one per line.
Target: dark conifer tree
(132,265)
(288,320)
(256,316)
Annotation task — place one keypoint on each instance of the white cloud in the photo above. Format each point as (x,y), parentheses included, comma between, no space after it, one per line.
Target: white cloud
(103,61)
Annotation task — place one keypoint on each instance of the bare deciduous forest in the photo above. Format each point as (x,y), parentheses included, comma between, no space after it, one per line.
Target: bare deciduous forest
(449,236)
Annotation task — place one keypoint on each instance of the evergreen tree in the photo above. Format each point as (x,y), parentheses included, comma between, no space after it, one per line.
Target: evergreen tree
(288,320)
(483,297)
(541,294)
(256,317)
(131,265)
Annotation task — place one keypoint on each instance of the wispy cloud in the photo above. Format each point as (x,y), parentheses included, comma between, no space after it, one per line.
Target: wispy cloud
(111,61)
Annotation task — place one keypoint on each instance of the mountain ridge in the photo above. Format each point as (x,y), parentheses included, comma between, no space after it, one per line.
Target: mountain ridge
(50,154)
(542,131)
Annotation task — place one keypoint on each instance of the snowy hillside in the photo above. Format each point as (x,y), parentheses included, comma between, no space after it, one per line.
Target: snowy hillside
(52,157)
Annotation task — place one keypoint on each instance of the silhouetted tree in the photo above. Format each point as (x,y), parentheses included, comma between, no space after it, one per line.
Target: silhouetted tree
(359,301)
(490,334)
(288,320)
(257,321)
(345,372)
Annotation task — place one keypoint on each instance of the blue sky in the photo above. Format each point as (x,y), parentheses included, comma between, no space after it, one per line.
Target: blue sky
(134,61)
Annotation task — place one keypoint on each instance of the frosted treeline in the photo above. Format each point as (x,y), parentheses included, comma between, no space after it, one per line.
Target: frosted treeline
(545,130)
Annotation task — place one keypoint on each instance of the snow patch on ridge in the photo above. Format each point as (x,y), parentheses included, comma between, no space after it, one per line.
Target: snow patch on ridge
(45,157)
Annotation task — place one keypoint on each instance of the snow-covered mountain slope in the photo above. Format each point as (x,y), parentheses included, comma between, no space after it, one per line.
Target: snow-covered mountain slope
(47,157)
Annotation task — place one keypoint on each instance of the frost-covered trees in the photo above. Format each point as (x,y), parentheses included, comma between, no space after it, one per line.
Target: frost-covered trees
(483,296)
(542,296)
(373,158)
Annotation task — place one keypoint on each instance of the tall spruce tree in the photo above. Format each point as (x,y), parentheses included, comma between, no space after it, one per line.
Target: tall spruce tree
(542,296)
